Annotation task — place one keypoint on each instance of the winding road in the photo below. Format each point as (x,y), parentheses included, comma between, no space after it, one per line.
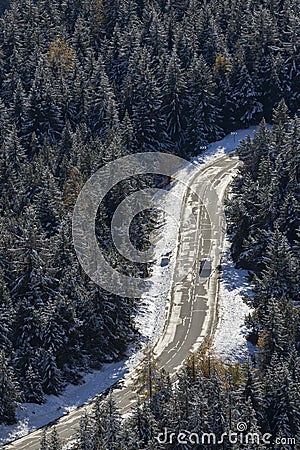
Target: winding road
(191,312)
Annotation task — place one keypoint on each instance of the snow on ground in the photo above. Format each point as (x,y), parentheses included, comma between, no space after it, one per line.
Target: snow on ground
(32,416)
(150,319)
(229,339)
(224,146)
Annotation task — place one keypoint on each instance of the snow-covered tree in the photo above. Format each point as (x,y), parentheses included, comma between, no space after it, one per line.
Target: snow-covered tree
(9,391)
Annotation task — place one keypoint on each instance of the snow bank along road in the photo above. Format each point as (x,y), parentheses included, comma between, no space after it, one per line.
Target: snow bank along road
(191,312)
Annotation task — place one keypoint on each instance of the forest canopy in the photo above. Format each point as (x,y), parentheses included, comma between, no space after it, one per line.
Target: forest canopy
(84,82)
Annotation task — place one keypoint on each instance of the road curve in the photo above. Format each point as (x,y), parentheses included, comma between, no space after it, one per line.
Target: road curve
(192,308)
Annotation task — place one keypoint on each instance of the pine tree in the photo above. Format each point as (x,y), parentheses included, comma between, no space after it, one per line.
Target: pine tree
(208,37)
(280,120)
(162,395)
(107,425)
(203,115)
(146,374)
(85,433)
(7,313)
(9,391)
(175,103)
(43,114)
(44,441)
(18,105)
(143,428)
(51,375)
(101,112)
(53,335)
(143,102)
(278,276)
(280,397)
(32,386)
(245,97)
(54,441)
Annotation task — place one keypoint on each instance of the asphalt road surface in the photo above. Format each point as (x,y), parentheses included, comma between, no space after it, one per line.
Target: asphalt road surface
(191,313)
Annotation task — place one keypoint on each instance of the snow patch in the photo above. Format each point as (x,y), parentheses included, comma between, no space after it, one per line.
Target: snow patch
(230,337)
(223,147)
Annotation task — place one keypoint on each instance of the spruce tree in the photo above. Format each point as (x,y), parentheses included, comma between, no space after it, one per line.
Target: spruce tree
(9,391)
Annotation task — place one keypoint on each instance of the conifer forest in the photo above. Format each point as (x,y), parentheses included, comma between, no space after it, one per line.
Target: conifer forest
(85,82)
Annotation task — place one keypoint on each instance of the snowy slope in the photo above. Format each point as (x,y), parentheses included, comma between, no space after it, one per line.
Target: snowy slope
(229,339)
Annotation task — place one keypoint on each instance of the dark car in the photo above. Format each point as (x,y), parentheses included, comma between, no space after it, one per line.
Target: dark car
(165,259)
(205,268)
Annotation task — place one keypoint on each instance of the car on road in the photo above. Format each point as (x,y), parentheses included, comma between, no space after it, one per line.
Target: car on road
(205,268)
(165,259)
